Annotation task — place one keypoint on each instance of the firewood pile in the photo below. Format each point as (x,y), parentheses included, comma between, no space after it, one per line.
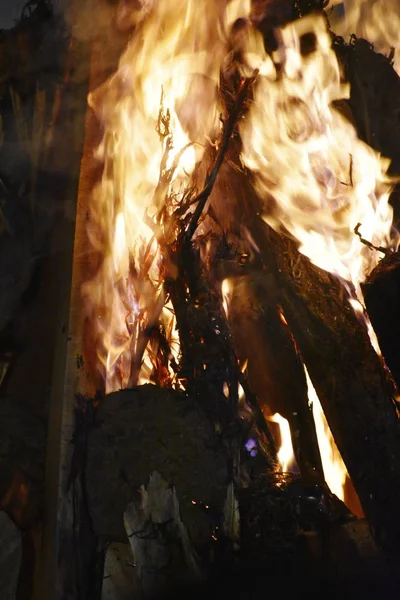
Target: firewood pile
(177,485)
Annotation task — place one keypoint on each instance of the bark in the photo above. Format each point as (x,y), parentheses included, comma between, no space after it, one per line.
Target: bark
(147,429)
(382,297)
(354,389)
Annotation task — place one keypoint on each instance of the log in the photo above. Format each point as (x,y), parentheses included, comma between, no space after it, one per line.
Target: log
(355,390)
(147,429)
(285,530)
(275,371)
(138,430)
(119,575)
(382,297)
(163,554)
(22,458)
(59,563)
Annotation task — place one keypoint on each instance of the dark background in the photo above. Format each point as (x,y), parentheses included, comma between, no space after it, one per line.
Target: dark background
(10,11)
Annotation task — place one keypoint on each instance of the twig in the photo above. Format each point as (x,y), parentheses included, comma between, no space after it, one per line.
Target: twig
(369,245)
(229,126)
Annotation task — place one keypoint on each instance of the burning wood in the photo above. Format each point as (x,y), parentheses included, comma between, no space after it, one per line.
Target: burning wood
(191,212)
(376,21)
(314,178)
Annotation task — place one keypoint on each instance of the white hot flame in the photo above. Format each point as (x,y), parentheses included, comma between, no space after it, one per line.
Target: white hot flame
(173,58)
(286,457)
(316,178)
(377,21)
(335,471)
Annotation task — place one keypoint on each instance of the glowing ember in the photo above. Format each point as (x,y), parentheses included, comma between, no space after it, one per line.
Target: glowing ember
(335,471)
(286,457)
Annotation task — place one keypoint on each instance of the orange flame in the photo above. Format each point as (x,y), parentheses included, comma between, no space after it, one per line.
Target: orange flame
(335,471)
(173,59)
(316,179)
(287,461)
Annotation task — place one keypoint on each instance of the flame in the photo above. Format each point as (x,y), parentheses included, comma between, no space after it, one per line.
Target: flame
(287,461)
(172,62)
(377,21)
(335,471)
(226,291)
(317,179)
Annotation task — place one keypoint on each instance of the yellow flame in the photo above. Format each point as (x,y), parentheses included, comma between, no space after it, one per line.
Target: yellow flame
(317,179)
(335,471)
(287,461)
(377,21)
(173,58)
(226,290)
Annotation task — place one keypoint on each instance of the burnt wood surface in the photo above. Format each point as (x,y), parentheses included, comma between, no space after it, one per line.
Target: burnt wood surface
(138,431)
(355,390)
(382,299)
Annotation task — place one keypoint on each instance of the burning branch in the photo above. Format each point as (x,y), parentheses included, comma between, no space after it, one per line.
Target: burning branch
(368,243)
(229,126)
(207,359)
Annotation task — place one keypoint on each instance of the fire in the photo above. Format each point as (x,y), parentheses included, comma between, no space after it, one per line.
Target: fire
(287,461)
(173,60)
(317,179)
(377,21)
(335,471)
(226,291)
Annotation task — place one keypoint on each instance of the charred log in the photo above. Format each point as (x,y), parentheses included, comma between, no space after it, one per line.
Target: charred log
(382,296)
(355,391)
(147,429)
(275,371)
(10,557)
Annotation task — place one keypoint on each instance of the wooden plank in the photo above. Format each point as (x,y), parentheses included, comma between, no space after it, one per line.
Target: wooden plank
(57,510)
(62,574)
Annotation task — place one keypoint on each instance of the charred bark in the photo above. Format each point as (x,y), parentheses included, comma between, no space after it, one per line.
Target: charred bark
(275,371)
(354,389)
(147,429)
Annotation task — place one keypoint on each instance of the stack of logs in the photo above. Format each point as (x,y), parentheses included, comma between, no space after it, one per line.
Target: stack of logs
(149,479)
